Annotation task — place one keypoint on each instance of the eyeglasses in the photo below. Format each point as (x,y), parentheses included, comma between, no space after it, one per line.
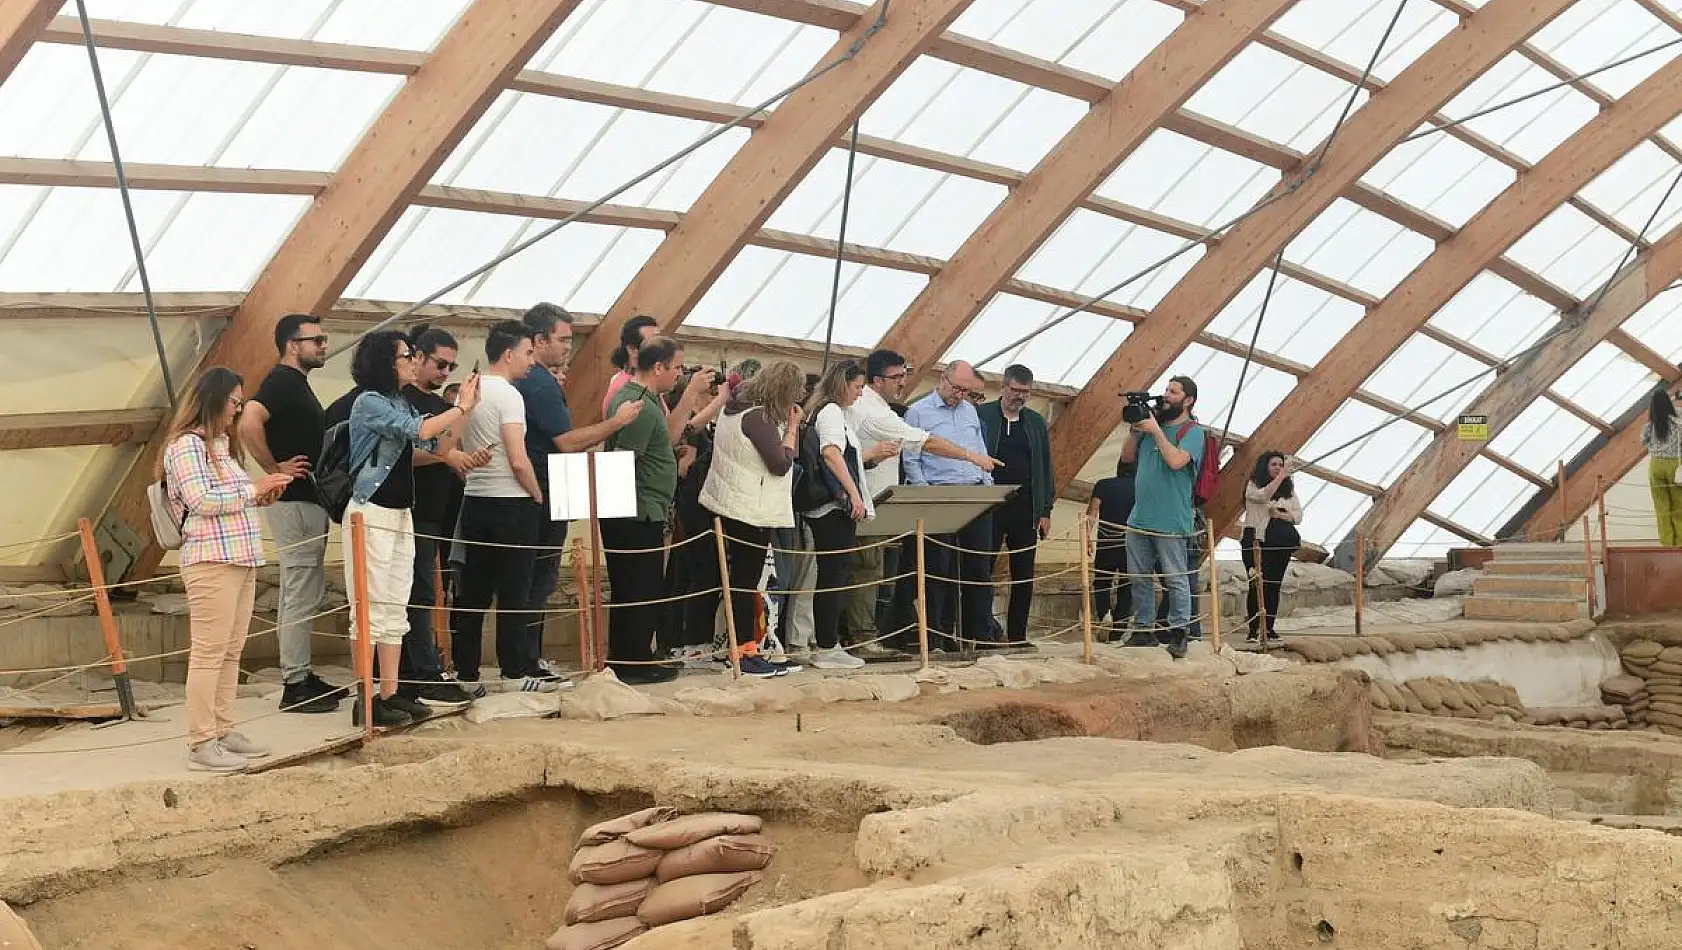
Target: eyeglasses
(443,365)
(406,355)
(319,339)
(893,377)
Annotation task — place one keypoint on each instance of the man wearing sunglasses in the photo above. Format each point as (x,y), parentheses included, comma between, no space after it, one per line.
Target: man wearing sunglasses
(282,427)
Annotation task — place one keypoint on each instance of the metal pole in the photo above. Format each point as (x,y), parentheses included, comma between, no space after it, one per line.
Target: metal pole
(840,244)
(128,205)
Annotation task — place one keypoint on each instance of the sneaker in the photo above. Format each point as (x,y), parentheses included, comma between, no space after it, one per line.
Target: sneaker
(1142,640)
(239,744)
(415,709)
(211,756)
(386,713)
(756,666)
(532,684)
(1177,643)
(473,688)
(836,658)
(693,657)
(782,662)
(311,695)
(643,675)
(443,695)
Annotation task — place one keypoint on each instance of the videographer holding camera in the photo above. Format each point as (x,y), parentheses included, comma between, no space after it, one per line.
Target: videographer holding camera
(1167,445)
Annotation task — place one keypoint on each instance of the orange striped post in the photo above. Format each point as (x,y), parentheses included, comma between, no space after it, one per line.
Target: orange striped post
(364,643)
(108,622)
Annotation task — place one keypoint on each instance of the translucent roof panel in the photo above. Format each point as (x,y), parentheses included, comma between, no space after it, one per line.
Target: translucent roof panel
(1216,374)
(1093,253)
(1185,179)
(1272,95)
(1631,190)
(1593,33)
(404,24)
(184,110)
(1350,32)
(1104,37)
(1359,448)
(1483,497)
(1659,322)
(1423,539)
(894,205)
(1441,175)
(1069,353)
(1604,381)
(1494,316)
(1571,251)
(76,239)
(1541,435)
(1301,324)
(934,104)
(1421,371)
(784,294)
(540,145)
(1365,250)
(684,47)
(1530,128)
(1328,511)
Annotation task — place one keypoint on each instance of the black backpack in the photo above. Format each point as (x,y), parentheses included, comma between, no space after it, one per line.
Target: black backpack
(811,488)
(332,473)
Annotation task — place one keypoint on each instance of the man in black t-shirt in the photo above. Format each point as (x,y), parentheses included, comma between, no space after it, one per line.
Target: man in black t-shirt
(282,427)
(1112,588)
(1018,437)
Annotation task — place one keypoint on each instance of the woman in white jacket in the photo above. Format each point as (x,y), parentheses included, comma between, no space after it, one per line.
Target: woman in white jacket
(1271,515)
(750,485)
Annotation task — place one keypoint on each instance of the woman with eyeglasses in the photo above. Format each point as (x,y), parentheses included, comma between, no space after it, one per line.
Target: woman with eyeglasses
(1663,438)
(834,523)
(221,549)
(385,430)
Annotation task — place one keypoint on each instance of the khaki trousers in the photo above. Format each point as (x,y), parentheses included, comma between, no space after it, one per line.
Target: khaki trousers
(219,599)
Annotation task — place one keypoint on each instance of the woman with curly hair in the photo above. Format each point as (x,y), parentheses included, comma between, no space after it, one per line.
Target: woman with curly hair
(1271,516)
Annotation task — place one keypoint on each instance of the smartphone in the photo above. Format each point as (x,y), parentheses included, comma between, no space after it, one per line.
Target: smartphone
(475,368)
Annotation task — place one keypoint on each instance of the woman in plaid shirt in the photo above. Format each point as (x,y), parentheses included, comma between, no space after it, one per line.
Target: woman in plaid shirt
(221,549)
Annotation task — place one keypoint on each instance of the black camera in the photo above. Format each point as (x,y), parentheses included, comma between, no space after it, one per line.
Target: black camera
(701,372)
(1140,406)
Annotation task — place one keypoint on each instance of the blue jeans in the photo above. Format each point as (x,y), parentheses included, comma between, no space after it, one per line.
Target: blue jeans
(1148,555)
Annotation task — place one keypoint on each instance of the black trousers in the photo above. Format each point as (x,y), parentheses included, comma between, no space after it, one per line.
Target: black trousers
(835,531)
(634,579)
(964,610)
(1112,586)
(499,574)
(1015,528)
(545,576)
(1279,542)
(692,566)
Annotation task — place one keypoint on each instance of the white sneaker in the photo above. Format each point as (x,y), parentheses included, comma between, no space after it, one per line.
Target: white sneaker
(212,757)
(836,658)
(534,684)
(239,744)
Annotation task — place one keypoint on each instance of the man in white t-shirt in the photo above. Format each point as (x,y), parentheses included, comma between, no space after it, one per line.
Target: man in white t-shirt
(501,515)
(883,432)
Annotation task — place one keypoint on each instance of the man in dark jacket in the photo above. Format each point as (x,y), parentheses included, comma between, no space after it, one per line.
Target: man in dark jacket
(1018,437)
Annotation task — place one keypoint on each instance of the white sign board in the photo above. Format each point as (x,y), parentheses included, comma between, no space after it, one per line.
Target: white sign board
(569,485)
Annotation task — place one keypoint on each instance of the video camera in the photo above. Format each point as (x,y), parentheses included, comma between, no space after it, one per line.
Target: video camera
(1140,406)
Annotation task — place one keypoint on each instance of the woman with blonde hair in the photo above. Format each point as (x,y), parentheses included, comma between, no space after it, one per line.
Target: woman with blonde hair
(750,488)
(221,549)
(838,504)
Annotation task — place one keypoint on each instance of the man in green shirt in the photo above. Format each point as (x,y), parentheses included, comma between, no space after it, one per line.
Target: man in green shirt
(636,579)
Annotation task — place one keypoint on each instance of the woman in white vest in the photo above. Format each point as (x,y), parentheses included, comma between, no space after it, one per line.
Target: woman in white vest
(750,485)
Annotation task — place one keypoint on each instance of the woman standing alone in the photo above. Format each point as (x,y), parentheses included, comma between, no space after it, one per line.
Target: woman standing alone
(1663,438)
(1271,516)
(221,549)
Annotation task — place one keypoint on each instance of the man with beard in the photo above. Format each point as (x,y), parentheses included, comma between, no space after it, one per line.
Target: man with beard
(1168,449)
(282,427)
(1018,437)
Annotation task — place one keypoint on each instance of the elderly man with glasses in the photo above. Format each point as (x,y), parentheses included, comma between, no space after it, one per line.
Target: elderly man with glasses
(950,414)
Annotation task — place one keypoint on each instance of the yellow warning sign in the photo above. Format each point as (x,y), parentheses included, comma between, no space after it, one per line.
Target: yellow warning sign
(1473,428)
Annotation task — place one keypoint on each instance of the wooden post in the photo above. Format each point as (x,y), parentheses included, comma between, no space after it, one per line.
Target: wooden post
(586,628)
(598,629)
(1360,577)
(922,594)
(1588,562)
(1259,585)
(1086,587)
(729,613)
(1564,510)
(107,622)
(1600,501)
(364,643)
(440,611)
(1214,590)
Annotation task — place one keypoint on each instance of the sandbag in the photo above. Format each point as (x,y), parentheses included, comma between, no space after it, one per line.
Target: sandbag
(605,831)
(689,897)
(1375,695)
(685,831)
(1427,693)
(14,933)
(613,863)
(591,903)
(1642,650)
(597,936)
(1672,655)
(721,855)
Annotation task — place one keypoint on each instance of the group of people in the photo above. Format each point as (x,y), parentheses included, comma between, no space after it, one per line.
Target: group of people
(788,463)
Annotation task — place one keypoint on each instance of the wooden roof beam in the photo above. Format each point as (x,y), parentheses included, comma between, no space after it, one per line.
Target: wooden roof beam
(395,158)
(51,430)
(1449,66)
(761,173)
(1087,155)
(1515,390)
(21,23)
(1570,166)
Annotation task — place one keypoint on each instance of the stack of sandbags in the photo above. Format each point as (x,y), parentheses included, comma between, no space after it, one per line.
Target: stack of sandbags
(1440,696)
(1639,657)
(652,868)
(1664,690)
(1628,693)
(1579,717)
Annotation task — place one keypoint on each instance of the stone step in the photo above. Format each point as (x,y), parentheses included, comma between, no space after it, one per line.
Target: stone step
(1538,551)
(1547,586)
(1531,568)
(1529,609)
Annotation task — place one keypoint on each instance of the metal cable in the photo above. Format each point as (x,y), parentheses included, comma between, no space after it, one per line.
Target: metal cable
(841,243)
